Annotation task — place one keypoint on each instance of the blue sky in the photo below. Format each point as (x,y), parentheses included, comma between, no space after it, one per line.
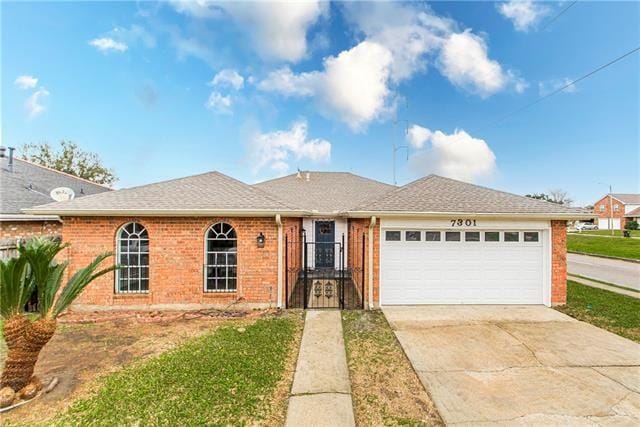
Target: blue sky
(163,90)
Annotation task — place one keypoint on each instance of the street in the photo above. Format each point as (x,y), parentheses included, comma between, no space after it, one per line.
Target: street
(623,273)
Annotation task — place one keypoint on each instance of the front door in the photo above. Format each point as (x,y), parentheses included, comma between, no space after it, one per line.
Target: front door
(325,244)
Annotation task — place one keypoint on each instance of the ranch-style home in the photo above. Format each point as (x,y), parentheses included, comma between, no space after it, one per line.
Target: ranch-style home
(316,239)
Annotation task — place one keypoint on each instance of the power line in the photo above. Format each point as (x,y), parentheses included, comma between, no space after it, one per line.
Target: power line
(549,95)
(552,20)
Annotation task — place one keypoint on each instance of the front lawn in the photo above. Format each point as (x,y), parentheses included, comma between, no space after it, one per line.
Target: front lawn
(608,310)
(234,375)
(608,246)
(384,386)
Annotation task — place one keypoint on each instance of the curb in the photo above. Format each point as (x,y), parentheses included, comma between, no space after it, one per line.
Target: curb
(637,261)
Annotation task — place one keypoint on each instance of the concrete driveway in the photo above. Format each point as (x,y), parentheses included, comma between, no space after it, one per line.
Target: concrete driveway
(623,273)
(523,365)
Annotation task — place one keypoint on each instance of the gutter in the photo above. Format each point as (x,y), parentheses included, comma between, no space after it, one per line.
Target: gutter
(25,217)
(372,224)
(409,214)
(280,260)
(163,212)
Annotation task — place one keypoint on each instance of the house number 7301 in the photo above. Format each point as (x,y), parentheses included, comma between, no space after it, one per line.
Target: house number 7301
(460,222)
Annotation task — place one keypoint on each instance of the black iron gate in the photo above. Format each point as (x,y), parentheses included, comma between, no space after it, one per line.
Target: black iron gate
(309,284)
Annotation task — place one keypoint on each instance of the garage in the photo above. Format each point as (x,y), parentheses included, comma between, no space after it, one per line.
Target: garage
(464,261)
(603,223)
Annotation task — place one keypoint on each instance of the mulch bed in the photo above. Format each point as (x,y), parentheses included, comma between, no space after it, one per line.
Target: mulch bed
(81,317)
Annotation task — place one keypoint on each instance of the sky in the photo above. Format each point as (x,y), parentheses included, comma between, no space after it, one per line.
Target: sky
(161,90)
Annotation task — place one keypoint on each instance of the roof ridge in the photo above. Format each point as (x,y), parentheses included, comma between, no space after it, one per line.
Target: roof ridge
(395,190)
(64,173)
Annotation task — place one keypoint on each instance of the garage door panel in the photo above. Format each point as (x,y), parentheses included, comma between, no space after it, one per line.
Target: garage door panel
(462,272)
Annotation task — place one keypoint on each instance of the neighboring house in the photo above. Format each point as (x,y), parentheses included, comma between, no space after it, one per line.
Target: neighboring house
(615,211)
(317,239)
(23,185)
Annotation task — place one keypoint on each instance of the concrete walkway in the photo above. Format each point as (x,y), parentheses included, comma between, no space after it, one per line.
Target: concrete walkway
(321,391)
(617,290)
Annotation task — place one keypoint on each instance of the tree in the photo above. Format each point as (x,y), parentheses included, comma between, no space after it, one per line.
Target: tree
(71,159)
(560,197)
(35,267)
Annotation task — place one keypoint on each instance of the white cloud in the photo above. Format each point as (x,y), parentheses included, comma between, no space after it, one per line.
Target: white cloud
(548,86)
(219,103)
(107,44)
(34,104)
(457,155)
(228,77)
(26,82)
(277,30)
(409,32)
(525,14)
(274,150)
(418,135)
(353,86)
(465,62)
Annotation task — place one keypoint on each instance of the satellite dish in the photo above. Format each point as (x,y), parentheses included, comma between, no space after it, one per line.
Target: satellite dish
(62,194)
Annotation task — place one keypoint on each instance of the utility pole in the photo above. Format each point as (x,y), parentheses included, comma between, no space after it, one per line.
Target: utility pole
(396,148)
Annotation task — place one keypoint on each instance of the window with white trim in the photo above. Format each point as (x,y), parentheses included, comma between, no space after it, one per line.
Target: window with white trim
(601,208)
(616,208)
(392,236)
(132,253)
(221,258)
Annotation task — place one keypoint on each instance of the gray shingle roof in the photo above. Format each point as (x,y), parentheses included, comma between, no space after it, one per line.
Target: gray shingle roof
(324,192)
(437,194)
(628,198)
(633,214)
(29,185)
(210,191)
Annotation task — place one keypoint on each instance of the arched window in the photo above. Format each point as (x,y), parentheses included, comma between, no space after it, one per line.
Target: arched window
(132,249)
(221,258)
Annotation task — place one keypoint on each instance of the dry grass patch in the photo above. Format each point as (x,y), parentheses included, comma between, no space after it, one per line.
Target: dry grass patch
(81,355)
(385,388)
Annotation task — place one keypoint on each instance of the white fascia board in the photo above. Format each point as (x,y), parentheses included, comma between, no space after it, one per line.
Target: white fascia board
(25,217)
(167,212)
(405,214)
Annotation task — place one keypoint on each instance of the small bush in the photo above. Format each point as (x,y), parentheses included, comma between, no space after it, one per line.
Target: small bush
(631,225)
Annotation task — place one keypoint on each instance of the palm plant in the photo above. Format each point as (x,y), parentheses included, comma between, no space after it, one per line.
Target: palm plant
(36,267)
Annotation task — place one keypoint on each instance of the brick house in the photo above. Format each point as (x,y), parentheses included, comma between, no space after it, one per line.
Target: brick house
(24,185)
(614,211)
(316,239)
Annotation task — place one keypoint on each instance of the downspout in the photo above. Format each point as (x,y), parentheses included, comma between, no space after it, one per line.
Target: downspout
(280,255)
(372,224)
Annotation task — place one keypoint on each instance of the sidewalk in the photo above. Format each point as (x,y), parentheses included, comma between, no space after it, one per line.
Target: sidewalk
(604,286)
(321,391)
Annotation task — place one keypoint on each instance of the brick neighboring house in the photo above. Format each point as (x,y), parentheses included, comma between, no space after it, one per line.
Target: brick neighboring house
(615,211)
(316,239)
(24,185)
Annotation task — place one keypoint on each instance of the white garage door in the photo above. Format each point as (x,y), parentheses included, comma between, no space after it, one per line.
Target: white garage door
(461,267)
(603,223)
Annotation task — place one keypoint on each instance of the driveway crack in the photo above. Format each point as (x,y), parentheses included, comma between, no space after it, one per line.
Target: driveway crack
(533,353)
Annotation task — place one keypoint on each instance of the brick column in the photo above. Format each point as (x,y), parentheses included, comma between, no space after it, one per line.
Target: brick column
(558,262)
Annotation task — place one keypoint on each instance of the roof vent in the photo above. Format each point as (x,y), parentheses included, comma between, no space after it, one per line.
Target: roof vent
(308,176)
(298,175)
(10,165)
(2,151)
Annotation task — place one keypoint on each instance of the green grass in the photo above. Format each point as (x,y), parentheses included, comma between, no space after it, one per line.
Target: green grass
(597,245)
(616,233)
(224,378)
(617,313)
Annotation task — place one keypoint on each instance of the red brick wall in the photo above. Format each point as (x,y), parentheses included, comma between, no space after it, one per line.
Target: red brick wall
(176,254)
(605,214)
(558,262)
(291,230)
(356,228)
(24,229)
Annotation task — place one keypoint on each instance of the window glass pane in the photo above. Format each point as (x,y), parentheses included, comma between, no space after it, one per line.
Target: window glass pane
(232,284)
(232,272)
(144,272)
(123,285)
(530,236)
(472,236)
(511,236)
(412,236)
(392,236)
(232,259)
(134,285)
(144,284)
(452,236)
(432,236)
(492,236)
